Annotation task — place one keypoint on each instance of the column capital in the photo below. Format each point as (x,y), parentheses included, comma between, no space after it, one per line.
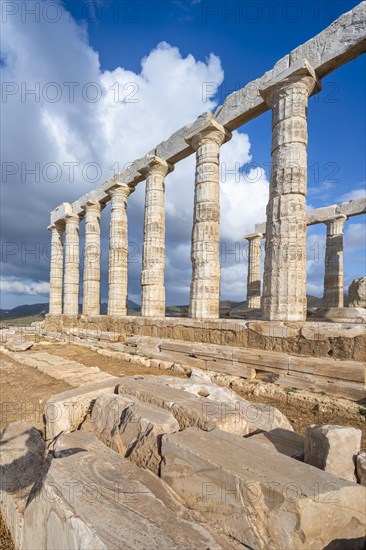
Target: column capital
(301,73)
(335,224)
(253,236)
(93,205)
(211,131)
(121,189)
(156,166)
(72,216)
(58,226)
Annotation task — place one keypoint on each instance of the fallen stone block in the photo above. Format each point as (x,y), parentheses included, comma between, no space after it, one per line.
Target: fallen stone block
(186,408)
(262,498)
(23,463)
(131,428)
(15,345)
(357,293)
(283,441)
(333,449)
(258,416)
(361,468)
(66,411)
(93,498)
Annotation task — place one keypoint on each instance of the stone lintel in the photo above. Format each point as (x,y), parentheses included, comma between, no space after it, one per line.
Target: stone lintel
(299,69)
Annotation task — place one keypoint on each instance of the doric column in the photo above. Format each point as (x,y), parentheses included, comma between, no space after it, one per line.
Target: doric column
(284,284)
(118,250)
(254,270)
(71,280)
(153,251)
(91,280)
(205,251)
(334,277)
(56,268)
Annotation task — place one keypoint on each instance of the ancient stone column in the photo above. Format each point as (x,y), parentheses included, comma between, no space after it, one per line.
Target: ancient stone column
(254,270)
(71,278)
(205,251)
(153,251)
(334,277)
(284,285)
(56,268)
(91,280)
(118,250)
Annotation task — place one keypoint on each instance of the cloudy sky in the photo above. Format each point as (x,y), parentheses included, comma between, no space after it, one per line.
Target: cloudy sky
(87,87)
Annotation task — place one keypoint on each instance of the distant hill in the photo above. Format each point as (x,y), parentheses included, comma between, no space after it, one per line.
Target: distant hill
(228,308)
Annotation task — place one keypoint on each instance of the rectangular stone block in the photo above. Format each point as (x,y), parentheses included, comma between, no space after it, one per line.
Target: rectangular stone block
(260,497)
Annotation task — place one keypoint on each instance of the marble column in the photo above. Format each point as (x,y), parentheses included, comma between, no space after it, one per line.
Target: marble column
(334,276)
(71,277)
(91,280)
(56,268)
(205,250)
(153,251)
(284,284)
(118,250)
(254,270)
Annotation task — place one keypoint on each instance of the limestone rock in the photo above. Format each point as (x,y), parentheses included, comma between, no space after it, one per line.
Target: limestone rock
(22,465)
(357,293)
(93,498)
(131,428)
(15,345)
(283,441)
(361,468)
(65,411)
(333,449)
(263,499)
(203,405)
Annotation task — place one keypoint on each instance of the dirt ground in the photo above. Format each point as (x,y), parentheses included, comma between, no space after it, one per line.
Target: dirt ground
(5,539)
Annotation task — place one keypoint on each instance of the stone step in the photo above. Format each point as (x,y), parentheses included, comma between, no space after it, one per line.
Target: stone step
(283,441)
(261,497)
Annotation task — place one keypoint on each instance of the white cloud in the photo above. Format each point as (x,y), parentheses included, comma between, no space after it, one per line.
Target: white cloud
(32,288)
(353,195)
(355,237)
(135,112)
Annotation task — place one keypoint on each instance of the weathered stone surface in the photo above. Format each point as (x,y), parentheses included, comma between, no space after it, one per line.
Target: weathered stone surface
(286,442)
(254,270)
(56,268)
(91,279)
(270,503)
(71,274)
(334,273)
(93,498)
(65,411)
(361,468)
(18,345)
(333,449)
(22,465)
(203,405)
(357,293)
(131,428)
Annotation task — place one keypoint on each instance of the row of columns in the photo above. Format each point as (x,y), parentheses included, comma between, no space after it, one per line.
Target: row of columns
(333,274)
(284,289)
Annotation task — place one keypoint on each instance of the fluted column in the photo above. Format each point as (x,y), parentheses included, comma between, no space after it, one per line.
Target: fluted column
(56,268)
(334,276)
(284,285)
(205,251)
(71,280)
(153,251)
(254,270)
(118,250)
(91,280)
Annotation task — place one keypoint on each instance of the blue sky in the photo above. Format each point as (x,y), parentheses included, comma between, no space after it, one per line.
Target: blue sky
(106,41)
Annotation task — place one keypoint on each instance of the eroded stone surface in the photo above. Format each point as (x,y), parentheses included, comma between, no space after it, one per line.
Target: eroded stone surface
(361,468)
(333,449)
(131,428)
(261,497)
(97,499)
(22,464)
(286,442)
(66,411)
(357,293)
